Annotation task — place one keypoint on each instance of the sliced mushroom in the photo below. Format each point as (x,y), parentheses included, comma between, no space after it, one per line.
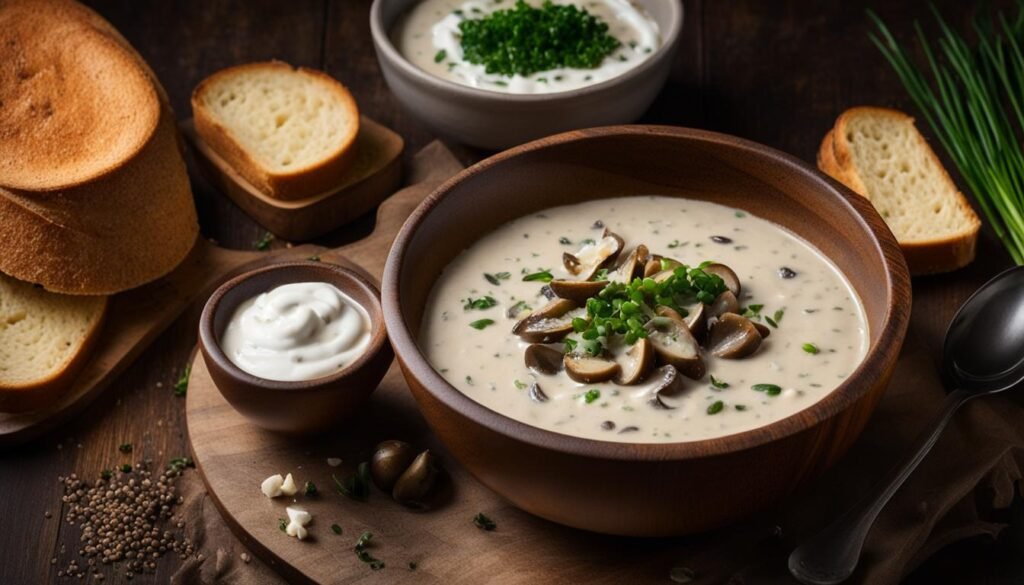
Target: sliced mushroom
(577,290)
(733,337)
(762,329)
(632,266)
(667,382)
(546,324)
(636,363)
(590,370)
(732,282)
(653,266)
(592,257)
(543,359)
(676,346)
(725,303)
(536,394)
(697,320)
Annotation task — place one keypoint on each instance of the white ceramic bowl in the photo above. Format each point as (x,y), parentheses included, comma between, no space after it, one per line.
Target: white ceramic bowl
(495,120)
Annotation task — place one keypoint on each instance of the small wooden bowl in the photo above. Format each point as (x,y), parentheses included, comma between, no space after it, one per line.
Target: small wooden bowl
(647,489)
(375,174)
(294,407)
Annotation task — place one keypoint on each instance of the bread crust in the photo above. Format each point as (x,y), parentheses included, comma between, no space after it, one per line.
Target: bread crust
(298,183)
(97,234)
(39,393)
(937,255)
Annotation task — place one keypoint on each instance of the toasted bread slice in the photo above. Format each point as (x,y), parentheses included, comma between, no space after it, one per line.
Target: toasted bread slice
(45,339)
(288,131)
(879,153)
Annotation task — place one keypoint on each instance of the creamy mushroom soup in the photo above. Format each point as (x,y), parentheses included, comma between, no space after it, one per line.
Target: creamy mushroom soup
(663,360)
(430,37)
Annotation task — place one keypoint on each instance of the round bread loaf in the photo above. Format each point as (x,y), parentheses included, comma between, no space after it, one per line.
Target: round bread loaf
(94,195)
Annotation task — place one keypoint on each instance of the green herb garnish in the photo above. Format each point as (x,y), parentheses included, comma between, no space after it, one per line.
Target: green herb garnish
(480,304)
(181,386)
(769,389)
(180,463)
(363,555)
(974,102)
(125,448)
(126,468)
(564,241)
(335,529)
(484,523)
(356,487)
(591,395)
(106,474)
(716,407)
(310,489)
(811,348)
(282,524)
(440,56)
(624,309)
(264,242)
(541,276)
(496,278)
(481,323)
(721,385)
(520,385)
(752,312)
(524,40)
(740,407)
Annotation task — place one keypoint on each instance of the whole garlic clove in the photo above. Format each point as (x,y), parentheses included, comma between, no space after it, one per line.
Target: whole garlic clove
(297,521)
(271,487)
(289,488)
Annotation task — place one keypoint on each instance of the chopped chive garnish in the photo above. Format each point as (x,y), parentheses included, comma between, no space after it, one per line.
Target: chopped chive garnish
(440,56)
(482,303)
(335,529)
(716,407)
(264,242)
(542,276)
(721,385)
(496,278)
(519,385)
(481,323)
(810,348)
(484,523)
(591,395)
(769,389)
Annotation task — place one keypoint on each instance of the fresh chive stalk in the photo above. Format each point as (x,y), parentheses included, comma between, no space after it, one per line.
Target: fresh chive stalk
(973,99)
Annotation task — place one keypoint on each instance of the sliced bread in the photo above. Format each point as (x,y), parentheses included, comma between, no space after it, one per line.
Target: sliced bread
(289,131)
(45,339)
(879,153)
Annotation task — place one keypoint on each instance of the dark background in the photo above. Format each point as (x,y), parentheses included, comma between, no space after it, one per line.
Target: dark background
(777,72)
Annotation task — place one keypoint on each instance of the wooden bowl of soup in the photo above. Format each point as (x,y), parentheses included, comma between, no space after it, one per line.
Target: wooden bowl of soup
(818,276)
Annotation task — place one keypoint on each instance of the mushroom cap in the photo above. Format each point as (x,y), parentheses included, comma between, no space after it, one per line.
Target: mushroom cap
(543,359)
(593,257)
(636,363)
(733,337)
(590,370)
(728,276)
(676,346)
(577,290)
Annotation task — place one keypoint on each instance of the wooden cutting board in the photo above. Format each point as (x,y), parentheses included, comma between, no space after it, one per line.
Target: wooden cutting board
(234,456)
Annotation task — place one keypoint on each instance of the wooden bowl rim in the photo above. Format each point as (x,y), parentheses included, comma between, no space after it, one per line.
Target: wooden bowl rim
(380,33)
(881,356)
(343,278)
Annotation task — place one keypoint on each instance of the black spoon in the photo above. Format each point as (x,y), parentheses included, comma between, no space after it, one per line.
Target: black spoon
(983,354)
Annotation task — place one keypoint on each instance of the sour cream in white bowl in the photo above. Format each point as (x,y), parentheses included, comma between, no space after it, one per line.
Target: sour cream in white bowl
(422,49)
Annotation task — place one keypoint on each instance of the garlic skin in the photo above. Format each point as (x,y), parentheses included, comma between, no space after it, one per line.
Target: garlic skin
(271,487)
(297,521)
(289,488)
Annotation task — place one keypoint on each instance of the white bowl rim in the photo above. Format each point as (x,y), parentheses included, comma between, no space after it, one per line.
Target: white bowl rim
(382,40)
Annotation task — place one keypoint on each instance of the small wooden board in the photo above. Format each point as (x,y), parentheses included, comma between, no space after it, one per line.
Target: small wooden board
(375,174)
(234,456)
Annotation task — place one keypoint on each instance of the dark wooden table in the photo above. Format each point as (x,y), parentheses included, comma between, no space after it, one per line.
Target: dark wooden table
(776,72)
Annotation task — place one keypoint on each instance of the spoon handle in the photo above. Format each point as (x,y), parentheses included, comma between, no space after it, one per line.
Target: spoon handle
(832,555)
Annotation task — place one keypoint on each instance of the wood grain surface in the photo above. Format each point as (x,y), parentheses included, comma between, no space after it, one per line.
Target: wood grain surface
(775,72)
